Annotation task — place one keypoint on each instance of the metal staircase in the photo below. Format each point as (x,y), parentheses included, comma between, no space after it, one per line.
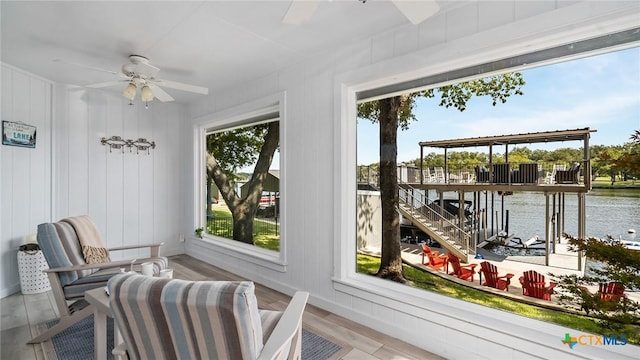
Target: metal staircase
(435,222)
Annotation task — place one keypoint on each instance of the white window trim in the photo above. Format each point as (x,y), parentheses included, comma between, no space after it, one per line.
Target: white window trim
(422,64)
(229,118)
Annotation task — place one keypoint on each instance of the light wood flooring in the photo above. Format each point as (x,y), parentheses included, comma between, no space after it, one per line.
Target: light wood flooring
(23,315)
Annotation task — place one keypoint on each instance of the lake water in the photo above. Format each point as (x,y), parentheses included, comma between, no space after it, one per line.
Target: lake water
(608,212)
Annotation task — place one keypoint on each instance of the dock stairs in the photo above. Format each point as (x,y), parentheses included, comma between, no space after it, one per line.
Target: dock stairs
(436,222)
(427,216)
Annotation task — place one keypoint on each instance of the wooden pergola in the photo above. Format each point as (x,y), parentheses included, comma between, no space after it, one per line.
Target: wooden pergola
(554,193)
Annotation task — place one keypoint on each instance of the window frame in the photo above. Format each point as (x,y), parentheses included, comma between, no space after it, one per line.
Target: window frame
(349,88)
(253,112)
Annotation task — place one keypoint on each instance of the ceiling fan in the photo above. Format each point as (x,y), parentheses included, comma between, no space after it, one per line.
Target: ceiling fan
(140,74)
(301,11)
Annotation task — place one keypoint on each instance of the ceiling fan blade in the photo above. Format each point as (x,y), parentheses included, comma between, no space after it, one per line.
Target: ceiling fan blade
(160,94)
(300,12)
(417,11)
(147,70)
(181,86)
(106,84)
(88,67)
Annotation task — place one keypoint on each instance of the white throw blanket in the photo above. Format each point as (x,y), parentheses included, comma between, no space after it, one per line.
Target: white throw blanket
(91,242)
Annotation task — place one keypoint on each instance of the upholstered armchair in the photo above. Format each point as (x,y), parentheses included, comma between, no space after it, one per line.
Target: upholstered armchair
(178,319)
(75,268)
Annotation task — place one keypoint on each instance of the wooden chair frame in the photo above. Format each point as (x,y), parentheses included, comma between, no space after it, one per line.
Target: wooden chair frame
(80,309)
(435,260)
(491,277)
(464,272)
(534,285)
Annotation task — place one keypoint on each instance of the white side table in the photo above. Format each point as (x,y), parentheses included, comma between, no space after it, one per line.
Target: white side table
(100,301)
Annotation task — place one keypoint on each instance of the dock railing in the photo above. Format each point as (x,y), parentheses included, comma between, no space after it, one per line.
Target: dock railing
(501,173)
(436,222)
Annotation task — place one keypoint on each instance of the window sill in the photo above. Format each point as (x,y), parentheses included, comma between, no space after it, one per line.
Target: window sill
(212,247)
(466,321)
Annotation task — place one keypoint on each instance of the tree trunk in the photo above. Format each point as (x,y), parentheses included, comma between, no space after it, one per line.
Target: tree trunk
(243,223)
(391,260)
(244,210)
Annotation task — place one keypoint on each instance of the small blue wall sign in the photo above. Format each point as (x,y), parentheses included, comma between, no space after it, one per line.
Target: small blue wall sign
(18,134)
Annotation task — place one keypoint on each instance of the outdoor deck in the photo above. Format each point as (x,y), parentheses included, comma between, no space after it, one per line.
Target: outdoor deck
(562,262)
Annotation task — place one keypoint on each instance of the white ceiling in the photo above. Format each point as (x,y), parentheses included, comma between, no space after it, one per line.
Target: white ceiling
(206,43)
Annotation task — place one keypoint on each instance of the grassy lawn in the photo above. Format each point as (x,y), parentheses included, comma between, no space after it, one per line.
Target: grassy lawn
(424,280)
(263,231)
(605,182)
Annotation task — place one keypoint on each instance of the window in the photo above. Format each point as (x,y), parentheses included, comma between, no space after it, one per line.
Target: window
(351,216)
(239,201)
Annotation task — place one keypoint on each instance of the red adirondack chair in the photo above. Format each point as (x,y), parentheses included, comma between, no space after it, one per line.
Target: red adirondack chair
(612,291)
(464,272)
(491,277)
(609,297)
(533,284)
(434,260)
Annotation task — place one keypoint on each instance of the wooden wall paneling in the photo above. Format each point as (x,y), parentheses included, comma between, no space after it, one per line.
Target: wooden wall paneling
(176,173)
(60,149)
(319,124)
(467,21)
(146,201)
(432,32)
(25,174)
(78,149)
(130,179)
(161,173)
(294,192)
(97,165)
(524,9)
(382,47)
(114,175)
(8,278)
(493,14)
(405,40)
(39,163)
(21,159)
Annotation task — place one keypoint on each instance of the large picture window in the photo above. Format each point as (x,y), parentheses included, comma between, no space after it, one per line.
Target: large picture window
(474,187)
(242,188)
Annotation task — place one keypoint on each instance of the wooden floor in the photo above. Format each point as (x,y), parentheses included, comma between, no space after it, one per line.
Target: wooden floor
(23,315)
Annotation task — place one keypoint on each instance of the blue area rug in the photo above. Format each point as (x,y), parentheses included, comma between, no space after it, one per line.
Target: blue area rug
(76,342)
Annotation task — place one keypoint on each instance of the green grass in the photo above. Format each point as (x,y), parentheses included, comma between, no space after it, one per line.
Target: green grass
(263,232)
(605,182)
(424,280)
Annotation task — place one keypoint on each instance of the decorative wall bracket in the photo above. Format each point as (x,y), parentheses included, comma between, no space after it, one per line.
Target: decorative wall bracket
(116,142)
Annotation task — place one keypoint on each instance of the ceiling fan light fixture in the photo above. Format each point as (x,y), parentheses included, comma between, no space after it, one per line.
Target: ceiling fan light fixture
(146,94)
(130,91)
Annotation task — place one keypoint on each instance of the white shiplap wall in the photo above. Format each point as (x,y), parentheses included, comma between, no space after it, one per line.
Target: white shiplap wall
(25,174)
(319,207)
(132,198)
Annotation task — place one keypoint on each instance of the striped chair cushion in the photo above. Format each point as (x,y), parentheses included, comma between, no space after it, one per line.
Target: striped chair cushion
(177,319)
(61,248)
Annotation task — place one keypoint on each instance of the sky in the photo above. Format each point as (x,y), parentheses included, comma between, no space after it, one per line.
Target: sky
(600,92)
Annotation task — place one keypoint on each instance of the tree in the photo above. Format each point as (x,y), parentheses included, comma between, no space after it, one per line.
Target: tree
(397,111)
(617,263)
(234,149)
(608,160)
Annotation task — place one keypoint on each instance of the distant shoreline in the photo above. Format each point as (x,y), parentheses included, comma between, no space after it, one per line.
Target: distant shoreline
(614,187)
